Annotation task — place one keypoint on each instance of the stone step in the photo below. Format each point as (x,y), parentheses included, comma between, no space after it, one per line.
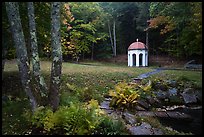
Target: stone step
(165,114)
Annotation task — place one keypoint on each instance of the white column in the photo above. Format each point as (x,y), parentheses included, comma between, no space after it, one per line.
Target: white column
(128,58)
(137,59)
(143,59)
(146,59)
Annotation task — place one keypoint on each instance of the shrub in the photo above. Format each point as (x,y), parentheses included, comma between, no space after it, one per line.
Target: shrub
(125,95)
(110,126)
(77,119)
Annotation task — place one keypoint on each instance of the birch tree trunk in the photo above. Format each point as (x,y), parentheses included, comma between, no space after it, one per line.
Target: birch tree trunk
(39,80)
(56,55)
(114,38)
(12,9)
(111,39)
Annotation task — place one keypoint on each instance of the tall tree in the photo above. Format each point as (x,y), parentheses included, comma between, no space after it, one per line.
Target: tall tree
(56,55)
(39,80)
(12,9)
(176,22)
(84,29)
(114,39)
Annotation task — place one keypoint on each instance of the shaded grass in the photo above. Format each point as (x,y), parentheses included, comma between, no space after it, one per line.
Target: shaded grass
(191,76)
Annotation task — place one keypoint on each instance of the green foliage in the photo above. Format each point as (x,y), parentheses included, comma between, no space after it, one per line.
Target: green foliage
(182,26)
(83,94)
(83,29)
(126,95)
(110,126)
(75,119)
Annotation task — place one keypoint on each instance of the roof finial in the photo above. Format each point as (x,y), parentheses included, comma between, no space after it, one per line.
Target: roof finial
(137,40)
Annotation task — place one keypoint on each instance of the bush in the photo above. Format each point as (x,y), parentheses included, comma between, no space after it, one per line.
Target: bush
(126,95)
(110,126)
(77,119)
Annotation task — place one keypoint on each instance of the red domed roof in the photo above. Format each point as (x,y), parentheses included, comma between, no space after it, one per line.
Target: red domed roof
(137,45)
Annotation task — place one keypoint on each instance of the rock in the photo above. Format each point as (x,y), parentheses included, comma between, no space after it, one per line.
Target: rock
(129,118)
(188,90)
(161,114)
(108,99)
(105,105)
(157,131)
(161,86)
(178,115)
(172,83)
(153,100)
(146,113)
(139,108)
(172,92)
(189,98)
(137,80)
(143,104)
(161,95)
(109,111)
(143,129)
(176,100)
(198,95)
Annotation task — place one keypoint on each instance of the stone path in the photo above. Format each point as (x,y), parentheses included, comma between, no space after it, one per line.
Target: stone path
(145,75)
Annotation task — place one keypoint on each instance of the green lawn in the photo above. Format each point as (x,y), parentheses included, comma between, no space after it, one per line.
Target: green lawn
(92,80)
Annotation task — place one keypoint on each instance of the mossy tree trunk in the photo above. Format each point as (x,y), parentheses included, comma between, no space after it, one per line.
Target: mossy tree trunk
(38,79)
(56,55)
(12,9)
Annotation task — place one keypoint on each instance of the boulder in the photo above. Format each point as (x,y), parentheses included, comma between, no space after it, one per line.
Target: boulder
(105,105)
(143,129)
(172,83)
(157,131)
(143,104)
(129,118)
(161,94)
(189,98)
(198,95)
(172,92)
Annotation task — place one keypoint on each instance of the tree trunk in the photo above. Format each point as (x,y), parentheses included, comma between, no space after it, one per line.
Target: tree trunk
(4,52)
(12,9)
(114,38)
(56,55)
(92,50)
(147,39)
(110,35)
(39,80)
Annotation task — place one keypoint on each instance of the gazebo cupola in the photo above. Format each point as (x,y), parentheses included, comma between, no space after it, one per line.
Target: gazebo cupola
(137,54)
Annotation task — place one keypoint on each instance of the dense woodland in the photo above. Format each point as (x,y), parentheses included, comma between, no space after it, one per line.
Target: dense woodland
(96,30)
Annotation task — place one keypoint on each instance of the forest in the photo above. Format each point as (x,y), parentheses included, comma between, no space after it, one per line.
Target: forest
(106,29)
(58,76)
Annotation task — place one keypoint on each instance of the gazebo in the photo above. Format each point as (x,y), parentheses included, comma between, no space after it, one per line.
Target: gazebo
(137,55)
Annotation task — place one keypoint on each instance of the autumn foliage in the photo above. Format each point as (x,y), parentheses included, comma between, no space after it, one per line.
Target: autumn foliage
(164,21)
